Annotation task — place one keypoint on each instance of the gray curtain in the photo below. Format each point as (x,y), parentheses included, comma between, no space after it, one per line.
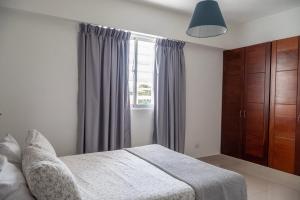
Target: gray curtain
(103,98)
(169,95)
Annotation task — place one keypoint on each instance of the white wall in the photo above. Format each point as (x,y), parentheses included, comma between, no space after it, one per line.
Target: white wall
(38,77)
(203,100)
(282,25)
(141,126)
(38,85)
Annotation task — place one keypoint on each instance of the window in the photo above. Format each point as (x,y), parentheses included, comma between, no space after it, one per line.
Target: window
(141,71)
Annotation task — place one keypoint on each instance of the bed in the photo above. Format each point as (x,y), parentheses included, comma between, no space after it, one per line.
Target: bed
(152,172)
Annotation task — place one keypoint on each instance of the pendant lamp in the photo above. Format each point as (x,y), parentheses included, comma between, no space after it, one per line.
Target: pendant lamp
(207,20)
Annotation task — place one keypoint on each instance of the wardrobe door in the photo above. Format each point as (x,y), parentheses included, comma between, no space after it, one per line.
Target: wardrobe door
(256,103)
(233,75)
(297,137)
(283,110)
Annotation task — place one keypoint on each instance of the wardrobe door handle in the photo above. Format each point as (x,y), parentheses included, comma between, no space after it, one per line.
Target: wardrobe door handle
(245,114)
(241,113)
(298,118)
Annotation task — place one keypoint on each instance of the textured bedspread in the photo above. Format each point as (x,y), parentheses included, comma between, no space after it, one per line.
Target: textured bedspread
(209,182)
(119,175)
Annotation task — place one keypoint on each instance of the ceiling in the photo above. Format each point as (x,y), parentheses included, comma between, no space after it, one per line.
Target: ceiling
(234,11)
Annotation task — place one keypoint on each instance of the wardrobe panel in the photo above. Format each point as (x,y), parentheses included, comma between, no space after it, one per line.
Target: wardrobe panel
(255,118)
(233,60)
(283,115)
(286,87)
(231,116)
(285,121)
(256,104)
(231,142)
(283,155)
(256,59)
(287,54)
(230,146)
(297,135)
(256,87)
(254,141)
(254,146)
(232,89)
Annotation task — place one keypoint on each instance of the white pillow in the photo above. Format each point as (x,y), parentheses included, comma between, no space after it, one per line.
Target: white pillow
(10,148)
(47,176)
(38,140)
(12,183)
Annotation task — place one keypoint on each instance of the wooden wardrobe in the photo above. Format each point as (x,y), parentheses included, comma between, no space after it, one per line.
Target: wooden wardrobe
(245,112)
(261,104)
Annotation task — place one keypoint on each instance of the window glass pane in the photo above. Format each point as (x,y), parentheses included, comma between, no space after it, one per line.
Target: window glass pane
(144,93)
(130,87)
(145,69)
(131,55)
(145,77)
(131,75)
(131,71)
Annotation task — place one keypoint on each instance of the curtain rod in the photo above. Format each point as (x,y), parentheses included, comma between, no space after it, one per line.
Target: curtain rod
(134,33)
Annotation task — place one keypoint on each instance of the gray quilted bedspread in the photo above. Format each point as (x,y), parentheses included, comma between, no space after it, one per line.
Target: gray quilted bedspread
(209,182)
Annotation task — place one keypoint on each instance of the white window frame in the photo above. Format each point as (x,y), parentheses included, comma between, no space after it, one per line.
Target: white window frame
(139,37)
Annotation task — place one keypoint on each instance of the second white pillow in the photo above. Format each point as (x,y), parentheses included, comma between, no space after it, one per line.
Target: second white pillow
(38,140)
(10,148)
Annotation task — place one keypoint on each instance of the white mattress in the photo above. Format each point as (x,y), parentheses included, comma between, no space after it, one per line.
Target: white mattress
(119,175)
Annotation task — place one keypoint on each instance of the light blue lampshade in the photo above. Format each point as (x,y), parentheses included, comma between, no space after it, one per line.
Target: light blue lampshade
(207,20)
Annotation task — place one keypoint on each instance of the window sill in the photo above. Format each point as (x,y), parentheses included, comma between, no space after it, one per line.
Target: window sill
(141,108)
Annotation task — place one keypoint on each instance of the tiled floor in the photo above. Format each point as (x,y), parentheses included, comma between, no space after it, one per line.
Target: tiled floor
(262,183)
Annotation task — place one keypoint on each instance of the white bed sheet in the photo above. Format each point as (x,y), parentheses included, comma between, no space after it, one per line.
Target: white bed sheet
(119,175)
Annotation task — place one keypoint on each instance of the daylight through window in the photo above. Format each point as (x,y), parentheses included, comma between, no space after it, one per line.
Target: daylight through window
(141,71)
